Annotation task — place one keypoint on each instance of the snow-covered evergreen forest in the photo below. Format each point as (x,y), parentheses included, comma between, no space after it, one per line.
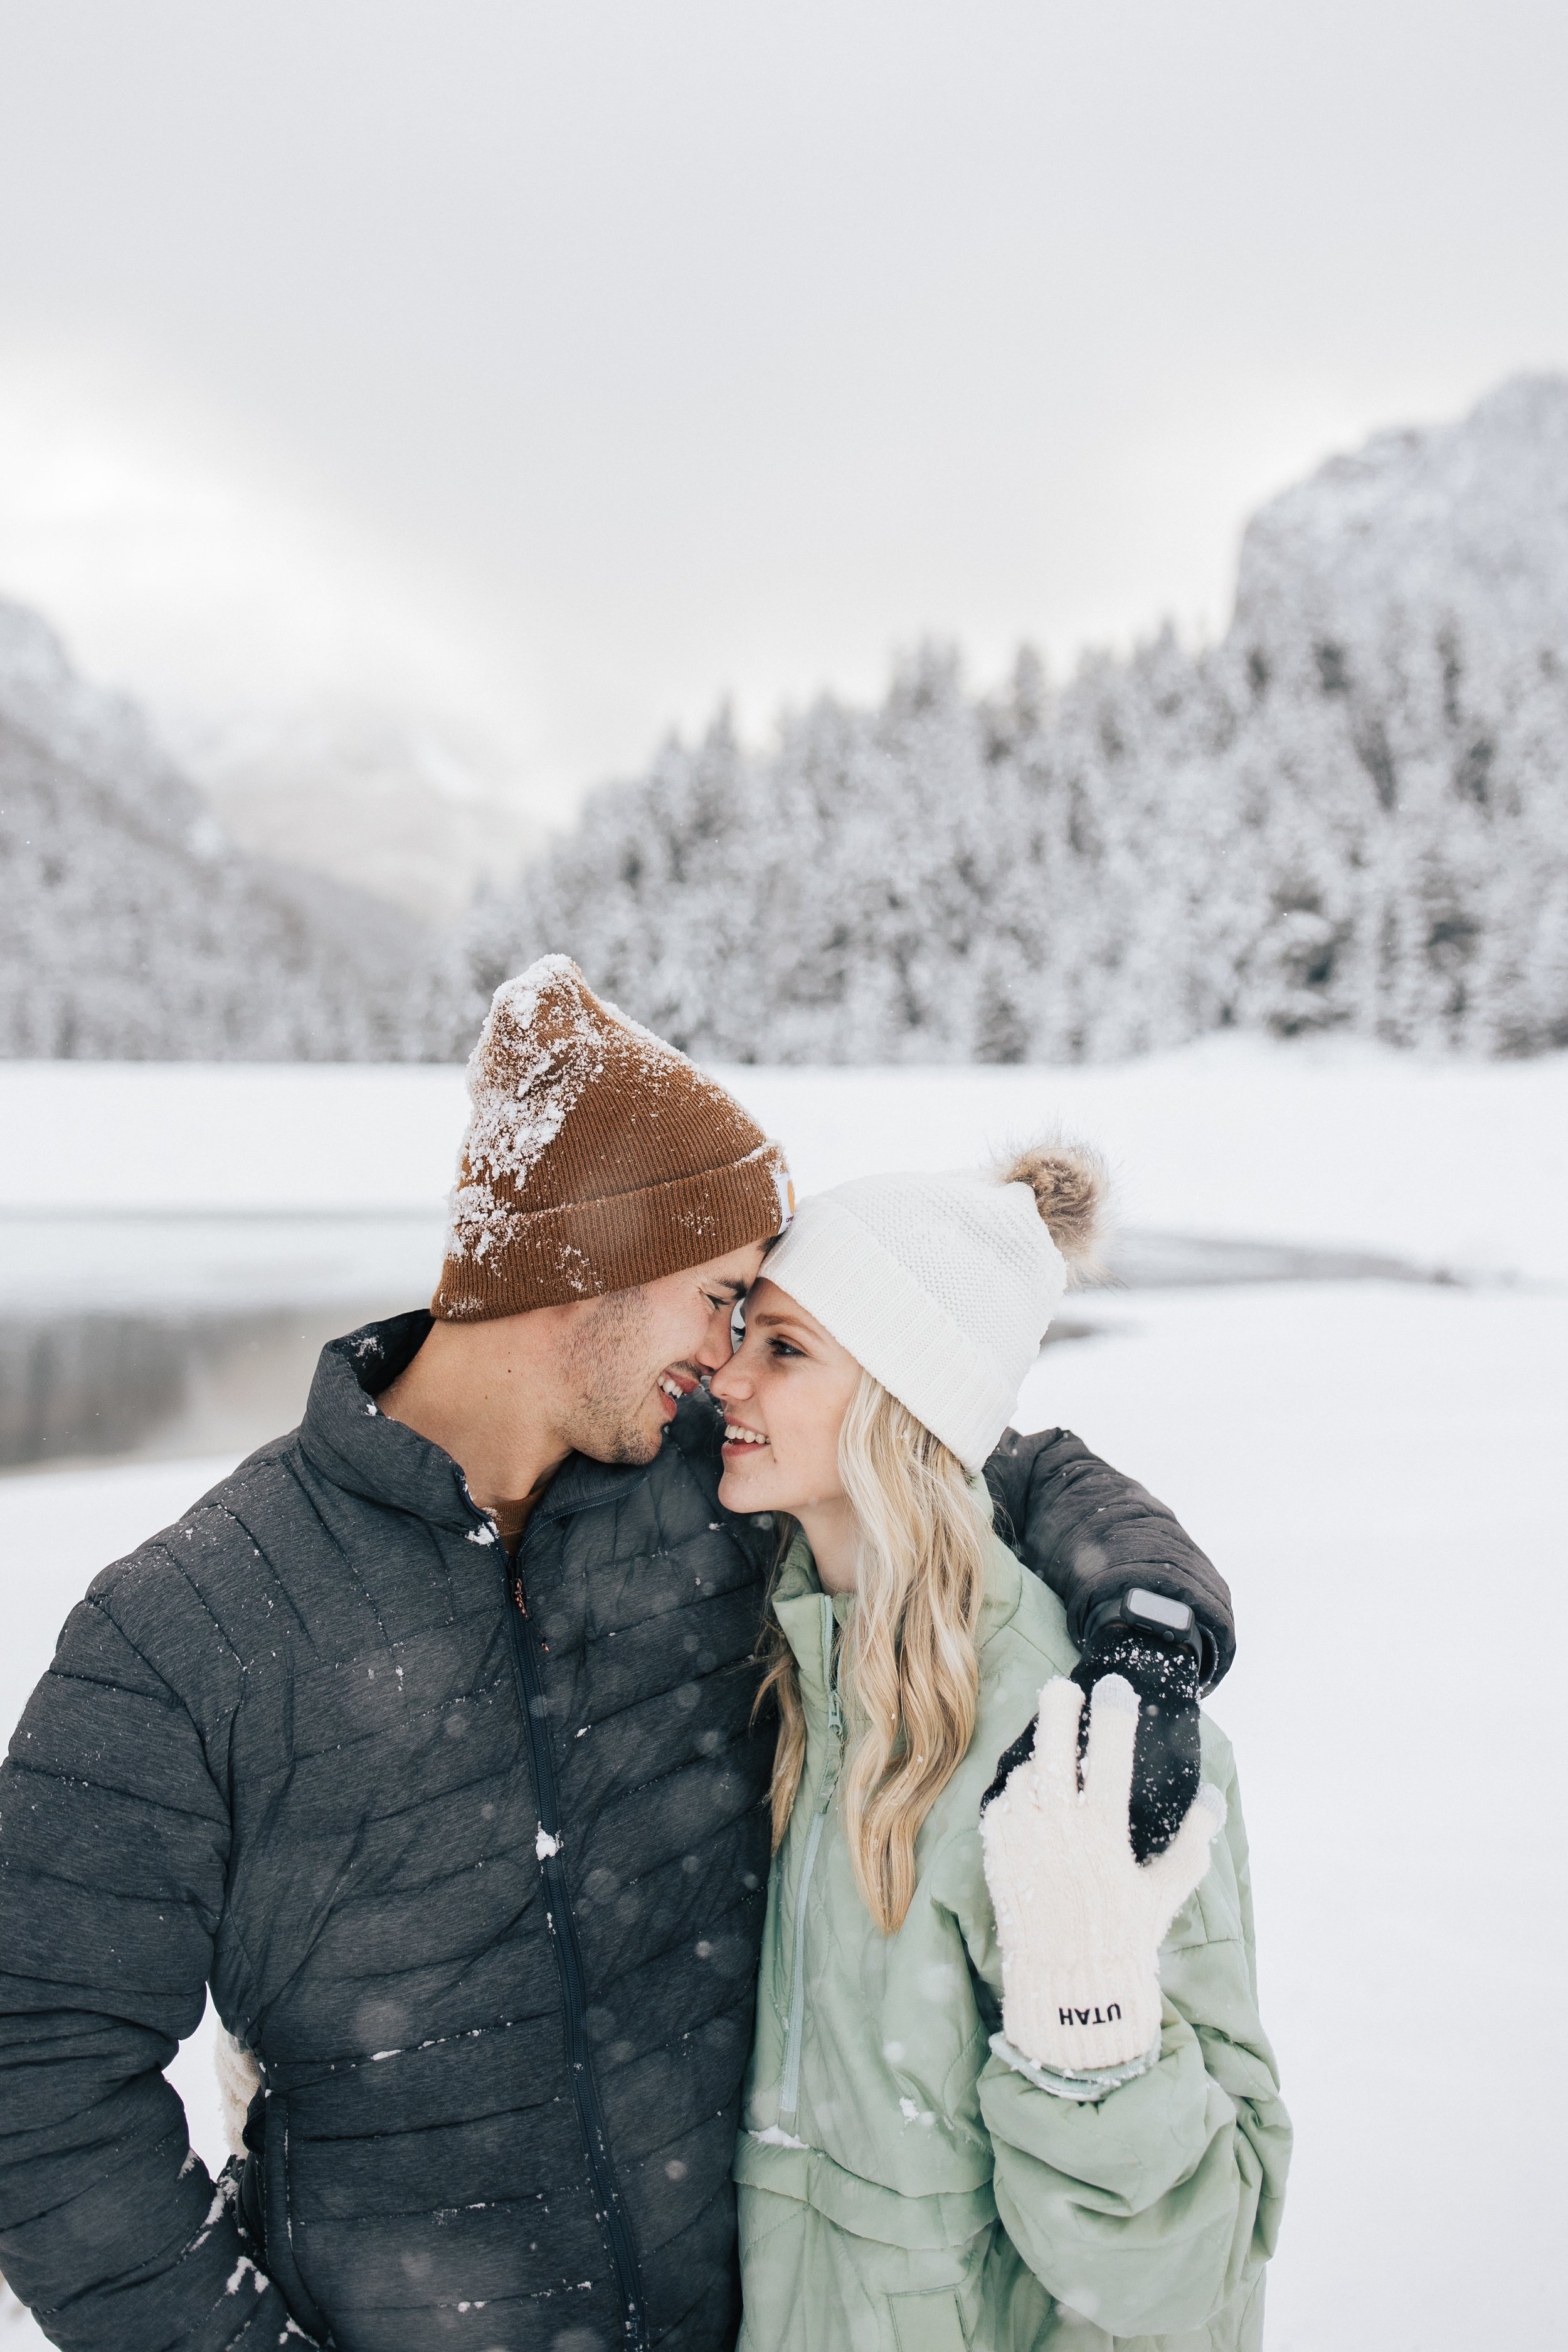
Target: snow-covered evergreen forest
(1349,813)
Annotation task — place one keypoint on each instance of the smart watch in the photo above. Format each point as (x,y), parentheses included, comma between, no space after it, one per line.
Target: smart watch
(1174,1622)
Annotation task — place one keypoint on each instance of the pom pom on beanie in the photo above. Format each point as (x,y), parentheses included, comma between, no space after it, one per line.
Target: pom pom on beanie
(943,1287)
(1071,1186)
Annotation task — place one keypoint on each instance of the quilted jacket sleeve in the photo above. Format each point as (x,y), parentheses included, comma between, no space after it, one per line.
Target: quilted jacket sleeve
(114,1845)
(1153,2210)
(1089,1533)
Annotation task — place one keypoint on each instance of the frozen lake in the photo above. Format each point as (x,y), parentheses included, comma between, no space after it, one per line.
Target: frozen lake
(176,1242)
(1461,1165)
(168,1332)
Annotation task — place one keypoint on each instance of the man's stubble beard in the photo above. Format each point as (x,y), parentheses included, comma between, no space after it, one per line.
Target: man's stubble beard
(603,1371)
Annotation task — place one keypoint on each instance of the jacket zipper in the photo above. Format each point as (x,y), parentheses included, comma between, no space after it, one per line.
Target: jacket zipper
(789,2087)
(574,1980)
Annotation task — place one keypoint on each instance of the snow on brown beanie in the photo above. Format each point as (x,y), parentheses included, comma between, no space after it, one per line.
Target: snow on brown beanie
(596,1158)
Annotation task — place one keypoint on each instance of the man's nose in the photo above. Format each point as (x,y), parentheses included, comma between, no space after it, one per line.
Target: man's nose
(718,1346)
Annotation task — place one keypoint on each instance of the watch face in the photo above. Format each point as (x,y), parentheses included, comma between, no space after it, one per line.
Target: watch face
(1154,1609)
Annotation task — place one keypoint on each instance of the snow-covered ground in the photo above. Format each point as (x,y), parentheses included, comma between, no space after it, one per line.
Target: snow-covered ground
(1374,1465)
(1377,1470)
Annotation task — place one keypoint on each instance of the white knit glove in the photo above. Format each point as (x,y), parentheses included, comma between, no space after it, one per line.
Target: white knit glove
(1080,1923)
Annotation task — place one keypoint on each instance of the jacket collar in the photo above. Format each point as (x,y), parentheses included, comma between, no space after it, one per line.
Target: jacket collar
(348,1441)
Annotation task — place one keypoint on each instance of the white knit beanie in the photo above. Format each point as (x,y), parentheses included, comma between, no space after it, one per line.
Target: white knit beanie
(943,1287)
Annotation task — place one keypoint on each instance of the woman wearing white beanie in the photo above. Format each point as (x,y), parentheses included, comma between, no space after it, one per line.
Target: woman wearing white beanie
(1009,2087)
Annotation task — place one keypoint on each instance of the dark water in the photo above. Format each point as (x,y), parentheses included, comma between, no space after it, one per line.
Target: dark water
(112,1384)
(185,1334)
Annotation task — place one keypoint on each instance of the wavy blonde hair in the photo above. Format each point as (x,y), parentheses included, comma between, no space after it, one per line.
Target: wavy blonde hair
(910,1672)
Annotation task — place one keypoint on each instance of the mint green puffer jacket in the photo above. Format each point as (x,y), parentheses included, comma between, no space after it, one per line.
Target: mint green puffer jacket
(902,2189)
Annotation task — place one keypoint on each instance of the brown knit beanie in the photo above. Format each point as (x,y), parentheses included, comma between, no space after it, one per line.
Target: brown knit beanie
(596,1158)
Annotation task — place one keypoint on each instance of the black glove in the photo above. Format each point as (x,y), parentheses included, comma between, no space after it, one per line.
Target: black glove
(1165,1761)
(1165,1754)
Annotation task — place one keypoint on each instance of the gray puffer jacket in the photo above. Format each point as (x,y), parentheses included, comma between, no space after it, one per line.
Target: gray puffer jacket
(472,1854)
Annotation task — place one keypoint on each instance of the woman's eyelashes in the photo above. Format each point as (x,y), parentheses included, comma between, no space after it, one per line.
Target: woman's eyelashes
(783,1347)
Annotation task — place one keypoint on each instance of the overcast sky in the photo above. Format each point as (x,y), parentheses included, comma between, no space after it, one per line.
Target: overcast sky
(567,366)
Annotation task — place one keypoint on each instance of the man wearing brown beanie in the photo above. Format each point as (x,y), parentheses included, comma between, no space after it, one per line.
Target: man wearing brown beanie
(424,1740)
(609,1215)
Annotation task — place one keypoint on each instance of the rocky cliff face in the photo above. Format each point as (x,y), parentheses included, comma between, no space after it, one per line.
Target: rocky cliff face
(1421,588)
(133,927)
(1458,527)
(1402,622)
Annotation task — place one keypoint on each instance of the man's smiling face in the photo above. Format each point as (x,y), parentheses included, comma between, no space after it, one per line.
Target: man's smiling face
(628,1357)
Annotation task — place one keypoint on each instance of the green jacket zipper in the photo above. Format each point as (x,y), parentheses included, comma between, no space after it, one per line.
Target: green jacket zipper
(563,1925)
(789,2087)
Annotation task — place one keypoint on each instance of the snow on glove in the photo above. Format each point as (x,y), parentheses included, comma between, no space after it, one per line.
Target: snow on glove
(1079,1921)
(1167,1759)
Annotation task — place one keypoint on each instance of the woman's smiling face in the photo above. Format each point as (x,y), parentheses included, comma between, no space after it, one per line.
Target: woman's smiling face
(784,1392)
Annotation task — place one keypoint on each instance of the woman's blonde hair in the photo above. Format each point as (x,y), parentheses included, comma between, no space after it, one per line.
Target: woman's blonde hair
(910,1670)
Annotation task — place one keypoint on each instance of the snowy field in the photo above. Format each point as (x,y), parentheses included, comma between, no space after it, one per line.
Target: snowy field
(1372,1465)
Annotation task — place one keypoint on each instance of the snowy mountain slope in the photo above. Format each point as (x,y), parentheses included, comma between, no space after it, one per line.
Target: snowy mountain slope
(132,926)
(403,809)
(1464,523)
(1352,814)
